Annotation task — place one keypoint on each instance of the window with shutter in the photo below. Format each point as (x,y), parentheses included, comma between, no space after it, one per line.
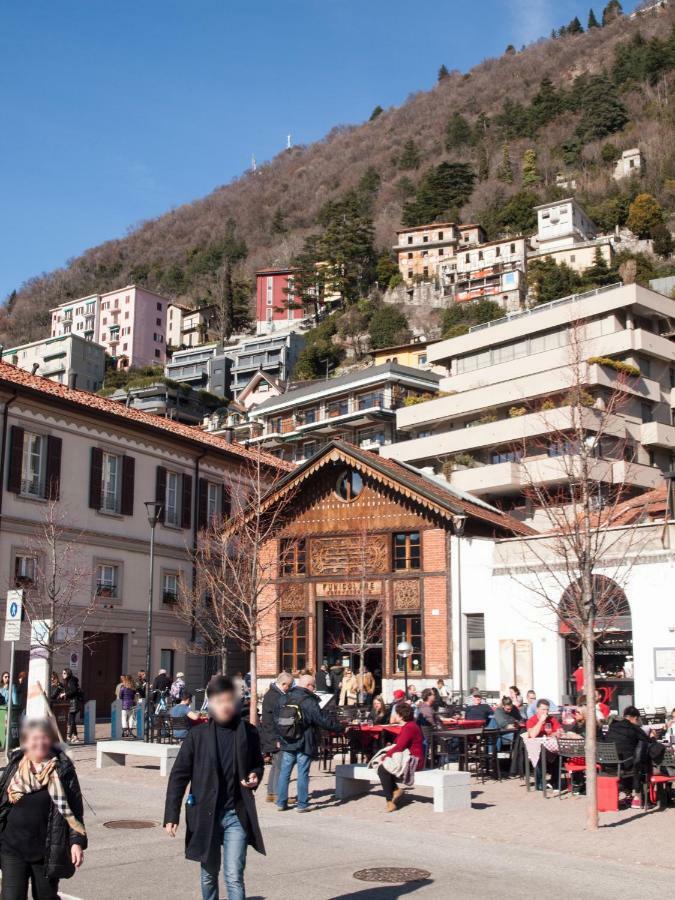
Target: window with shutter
(202,504)
(225,502)
(95,478)
(128,477)
(186,505)
(53,473)
(160,493)
(15,459)
(110,483)
(172,497)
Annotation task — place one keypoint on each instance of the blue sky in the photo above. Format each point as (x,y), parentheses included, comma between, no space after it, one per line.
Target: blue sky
(115,112)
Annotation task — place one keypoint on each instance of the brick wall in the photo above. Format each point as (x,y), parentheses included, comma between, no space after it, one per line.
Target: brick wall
(435,605)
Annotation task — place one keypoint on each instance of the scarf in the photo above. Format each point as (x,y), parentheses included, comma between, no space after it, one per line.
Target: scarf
(31,777)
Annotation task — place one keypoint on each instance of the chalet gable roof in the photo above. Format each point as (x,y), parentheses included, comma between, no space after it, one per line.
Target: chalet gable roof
(429,491)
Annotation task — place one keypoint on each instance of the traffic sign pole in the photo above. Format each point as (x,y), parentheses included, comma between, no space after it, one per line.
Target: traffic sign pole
(13,614)
(8,724)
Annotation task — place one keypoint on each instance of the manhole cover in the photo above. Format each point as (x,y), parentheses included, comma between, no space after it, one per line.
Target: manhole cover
(392,874)
(133,824)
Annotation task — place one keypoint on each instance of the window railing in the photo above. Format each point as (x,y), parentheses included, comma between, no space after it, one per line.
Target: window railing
(169,596)
(106,589)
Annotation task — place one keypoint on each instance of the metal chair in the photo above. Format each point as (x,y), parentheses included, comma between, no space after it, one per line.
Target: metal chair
(607,756)
(658,787)
(571,760)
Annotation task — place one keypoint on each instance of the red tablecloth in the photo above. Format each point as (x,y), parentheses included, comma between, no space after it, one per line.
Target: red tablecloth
(462,723)
(374,729)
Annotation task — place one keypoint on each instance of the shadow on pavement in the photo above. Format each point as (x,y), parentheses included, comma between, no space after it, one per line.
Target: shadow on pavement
(385,892)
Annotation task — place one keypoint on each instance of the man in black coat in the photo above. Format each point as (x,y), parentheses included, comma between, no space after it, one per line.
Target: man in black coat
(223,765)
(632,745)
(303,748)
(275,695)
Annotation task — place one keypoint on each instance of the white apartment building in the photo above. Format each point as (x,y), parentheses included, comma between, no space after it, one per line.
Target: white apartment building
(631,162)
(95,463)
(565,233)
(495,271)
(69,359)
(421,251)
(130,323)
(489,429)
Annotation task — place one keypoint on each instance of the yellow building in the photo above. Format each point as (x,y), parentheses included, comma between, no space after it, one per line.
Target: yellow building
(413,355)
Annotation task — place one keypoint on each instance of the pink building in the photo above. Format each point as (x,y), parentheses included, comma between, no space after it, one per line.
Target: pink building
(274,293)
(130,323)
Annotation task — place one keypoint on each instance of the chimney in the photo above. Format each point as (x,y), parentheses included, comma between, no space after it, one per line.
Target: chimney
(35,368)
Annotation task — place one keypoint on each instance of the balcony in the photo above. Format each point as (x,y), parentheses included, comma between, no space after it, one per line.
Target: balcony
(656,434)
(502,432)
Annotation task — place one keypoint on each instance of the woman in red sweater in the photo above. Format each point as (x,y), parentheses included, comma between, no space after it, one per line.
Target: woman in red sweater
(409,738)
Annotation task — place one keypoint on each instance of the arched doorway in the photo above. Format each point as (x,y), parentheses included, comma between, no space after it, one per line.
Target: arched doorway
(614,641)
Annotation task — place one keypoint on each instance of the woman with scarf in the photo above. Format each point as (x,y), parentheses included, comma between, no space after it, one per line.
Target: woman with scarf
(42,836)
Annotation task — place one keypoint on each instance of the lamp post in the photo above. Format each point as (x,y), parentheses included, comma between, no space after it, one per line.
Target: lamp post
(458,524)
(154,511)
(405,651)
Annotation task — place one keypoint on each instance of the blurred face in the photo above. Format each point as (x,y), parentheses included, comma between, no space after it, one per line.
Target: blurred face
(223,706)
(36,745)
(64,674)
(543,709)
(285,685)
(5,677)
(531,696)
(508,707)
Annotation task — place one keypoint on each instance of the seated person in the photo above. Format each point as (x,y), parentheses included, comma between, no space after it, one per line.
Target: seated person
(379,714)
(182,710)
(541,724)
(506,718)
(669,734)
(602,710)
(426,711)
(530,704)
(478,710)
(632,745)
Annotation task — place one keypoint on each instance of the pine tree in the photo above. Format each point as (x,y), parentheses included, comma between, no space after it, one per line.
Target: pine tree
(278,225)
(307,288)
(575,26)
(530,174)
(611,12)
(375,113)
(592,21)
(505,170)
(441,192)
(483,162)
(443,73)
(603,113)
(599,273)
(410,156)
(347,247)
(546,104)
(458,132)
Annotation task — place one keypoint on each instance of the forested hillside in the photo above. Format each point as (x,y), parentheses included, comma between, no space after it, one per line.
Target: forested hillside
(484,146)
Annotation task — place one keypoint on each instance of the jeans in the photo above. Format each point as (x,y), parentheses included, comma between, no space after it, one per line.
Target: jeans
(275,771)
(288,761)
(16,874)
(72,724)
(388,782)
(234,861)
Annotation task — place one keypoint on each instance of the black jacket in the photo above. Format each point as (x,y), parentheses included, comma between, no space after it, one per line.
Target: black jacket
(268,732)
(71,688)
(631,741)
(60,836)
(161,683)
(313,718)
(196,765)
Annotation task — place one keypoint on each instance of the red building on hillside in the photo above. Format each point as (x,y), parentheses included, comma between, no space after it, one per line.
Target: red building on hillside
(275,300)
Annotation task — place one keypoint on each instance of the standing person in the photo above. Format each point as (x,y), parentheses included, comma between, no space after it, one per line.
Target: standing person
(20,695)
(55,689)
(296,722)
(160,685)
(366,685)
(141,683)
(73,694)
(443,692)
(223,765)
(178,688)
(335,672)
(323,680)
(4,689)
(275,695)
(578,679)
(409,738)
(41,823)
(349,688)
(128,697)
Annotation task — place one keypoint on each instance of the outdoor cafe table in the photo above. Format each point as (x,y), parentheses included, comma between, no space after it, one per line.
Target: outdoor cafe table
(535,750)
(464,735)
(374,735)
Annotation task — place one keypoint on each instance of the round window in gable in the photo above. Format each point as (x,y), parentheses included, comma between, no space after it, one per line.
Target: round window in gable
(349,485)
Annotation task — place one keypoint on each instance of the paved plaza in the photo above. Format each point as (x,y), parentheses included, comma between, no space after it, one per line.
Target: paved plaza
(507,842)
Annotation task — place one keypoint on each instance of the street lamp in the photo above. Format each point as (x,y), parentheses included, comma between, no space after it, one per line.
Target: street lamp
(405,651)
(458,525)
(154,512)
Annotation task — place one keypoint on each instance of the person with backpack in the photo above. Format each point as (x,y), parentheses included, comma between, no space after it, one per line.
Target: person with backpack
(178,688)
(296,721)
(73,694)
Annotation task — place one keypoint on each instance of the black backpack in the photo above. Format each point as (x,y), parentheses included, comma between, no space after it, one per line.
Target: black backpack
(290,722)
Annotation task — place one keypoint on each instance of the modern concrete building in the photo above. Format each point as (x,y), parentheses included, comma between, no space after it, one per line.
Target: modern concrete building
(69,359)
(566,234)
(275,354)
(205,366)
(88,465)
(359,408)
(505,394)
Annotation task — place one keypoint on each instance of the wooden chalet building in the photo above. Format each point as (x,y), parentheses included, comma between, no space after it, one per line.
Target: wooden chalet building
(360,523)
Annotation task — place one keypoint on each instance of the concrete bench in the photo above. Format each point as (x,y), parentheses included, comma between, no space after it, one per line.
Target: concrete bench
(452,790)
(114,753)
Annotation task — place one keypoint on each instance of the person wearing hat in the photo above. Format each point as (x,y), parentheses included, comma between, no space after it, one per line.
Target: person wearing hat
(399,697)
(178,688)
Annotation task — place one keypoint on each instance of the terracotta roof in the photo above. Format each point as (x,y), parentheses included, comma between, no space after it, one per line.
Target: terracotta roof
(433,492)
(645,507)
(11,376)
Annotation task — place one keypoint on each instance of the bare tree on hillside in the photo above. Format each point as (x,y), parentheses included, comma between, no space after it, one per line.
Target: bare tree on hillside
(578,482)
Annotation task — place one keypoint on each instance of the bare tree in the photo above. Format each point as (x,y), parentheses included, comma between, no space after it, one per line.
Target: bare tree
(578,483)
(237,566)
(359,613)
(59,597)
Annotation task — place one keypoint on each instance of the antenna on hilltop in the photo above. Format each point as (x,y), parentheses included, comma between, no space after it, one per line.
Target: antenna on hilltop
(288,142)
(254,165)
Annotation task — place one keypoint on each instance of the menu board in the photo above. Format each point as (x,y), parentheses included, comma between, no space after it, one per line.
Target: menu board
(664,663)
